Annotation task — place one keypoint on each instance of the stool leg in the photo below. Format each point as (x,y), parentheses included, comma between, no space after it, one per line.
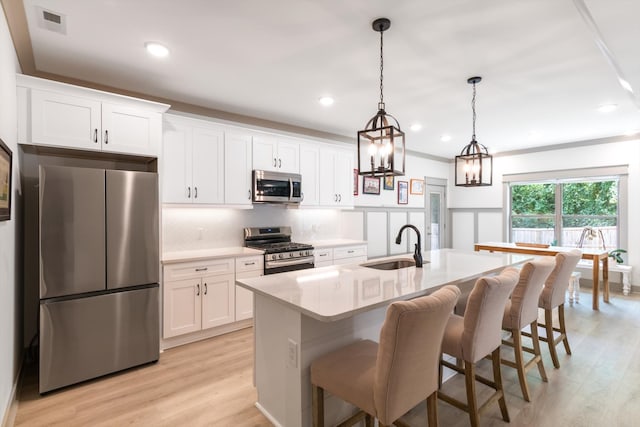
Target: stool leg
(497,379)
(536,350)
(563,329)
(522,374)
(432,409)
(548,325)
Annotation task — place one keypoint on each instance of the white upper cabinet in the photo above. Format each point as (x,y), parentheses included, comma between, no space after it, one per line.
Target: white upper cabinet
(336,177)
(193,162)
(310,169)
(62,115)
(237,161)
(274,153)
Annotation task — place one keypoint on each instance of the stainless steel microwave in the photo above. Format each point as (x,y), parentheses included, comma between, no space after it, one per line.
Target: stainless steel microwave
(276,187)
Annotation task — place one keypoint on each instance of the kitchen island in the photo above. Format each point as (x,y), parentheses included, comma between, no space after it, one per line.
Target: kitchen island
(303,314)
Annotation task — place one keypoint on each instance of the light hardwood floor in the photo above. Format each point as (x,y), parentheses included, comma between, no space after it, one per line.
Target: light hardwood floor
(209,383)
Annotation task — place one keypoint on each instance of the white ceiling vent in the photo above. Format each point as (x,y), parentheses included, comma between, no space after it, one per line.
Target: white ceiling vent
(52,21)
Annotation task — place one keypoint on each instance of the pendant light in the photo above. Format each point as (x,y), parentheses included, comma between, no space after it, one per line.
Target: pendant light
(381,149)
(474,165)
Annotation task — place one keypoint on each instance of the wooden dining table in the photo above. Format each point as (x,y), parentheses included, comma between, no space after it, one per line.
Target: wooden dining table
(597,256)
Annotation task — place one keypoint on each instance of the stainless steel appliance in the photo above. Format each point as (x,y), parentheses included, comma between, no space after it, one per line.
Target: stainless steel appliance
(99,273)
(280,253)
(276,187)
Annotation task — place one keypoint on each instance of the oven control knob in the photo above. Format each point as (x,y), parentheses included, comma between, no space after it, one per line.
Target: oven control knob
(290,254)
(280,256)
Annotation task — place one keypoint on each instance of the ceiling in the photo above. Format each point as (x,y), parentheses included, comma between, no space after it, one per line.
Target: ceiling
(546,65)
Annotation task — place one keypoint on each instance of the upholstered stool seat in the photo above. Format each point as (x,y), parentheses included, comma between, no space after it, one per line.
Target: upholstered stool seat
(388,379)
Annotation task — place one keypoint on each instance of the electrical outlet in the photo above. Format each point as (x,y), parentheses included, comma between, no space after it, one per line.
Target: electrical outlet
(292,353)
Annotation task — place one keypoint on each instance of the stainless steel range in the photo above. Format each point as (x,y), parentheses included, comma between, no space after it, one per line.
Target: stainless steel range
(280,253)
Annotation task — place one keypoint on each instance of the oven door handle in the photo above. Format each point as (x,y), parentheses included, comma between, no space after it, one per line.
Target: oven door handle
(279,263)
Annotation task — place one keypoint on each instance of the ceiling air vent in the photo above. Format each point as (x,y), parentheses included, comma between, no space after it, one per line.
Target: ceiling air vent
(52,21)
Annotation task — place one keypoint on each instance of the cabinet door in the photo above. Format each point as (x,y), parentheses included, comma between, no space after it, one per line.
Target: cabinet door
(176,164)
(244,297)
(182,307)
(65,121)
(218,300)
(237,167)
(309,168)
(344,177)
(265,153)
(130,130)
(327,185)
(208,165)
(288,156)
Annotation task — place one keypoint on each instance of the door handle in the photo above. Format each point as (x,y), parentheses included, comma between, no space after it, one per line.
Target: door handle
(249,194)
(290,189)
(335,197)
(198,290)
(188,192)
(195,189)
(339,197)
(275,162)
(95,135)
(202,269)
(106,136)
(205,288)
(279,163)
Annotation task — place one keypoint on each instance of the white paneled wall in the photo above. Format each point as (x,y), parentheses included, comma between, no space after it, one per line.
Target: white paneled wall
(463,230)
(377,234)
(490,227)
(417,219)
(397,220)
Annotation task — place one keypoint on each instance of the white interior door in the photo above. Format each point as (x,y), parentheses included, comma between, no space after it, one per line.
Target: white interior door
(435,236)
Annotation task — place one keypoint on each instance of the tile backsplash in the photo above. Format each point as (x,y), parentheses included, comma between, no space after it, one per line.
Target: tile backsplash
(193,228)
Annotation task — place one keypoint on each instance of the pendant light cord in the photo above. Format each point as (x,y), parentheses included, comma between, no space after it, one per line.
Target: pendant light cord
(381,71)
(473,108)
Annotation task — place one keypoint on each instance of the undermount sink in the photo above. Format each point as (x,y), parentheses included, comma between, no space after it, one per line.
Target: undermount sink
(392,264)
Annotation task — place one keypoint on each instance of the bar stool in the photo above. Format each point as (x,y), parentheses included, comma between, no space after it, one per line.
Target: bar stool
(520,311)
(552,296)
(386,380)
(476,335)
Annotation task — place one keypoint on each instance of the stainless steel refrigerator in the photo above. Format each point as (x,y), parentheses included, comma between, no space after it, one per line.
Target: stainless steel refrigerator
(99,273)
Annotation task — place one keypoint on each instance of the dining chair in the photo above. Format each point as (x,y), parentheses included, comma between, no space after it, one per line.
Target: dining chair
(476,335)
(520,311)
(388,379)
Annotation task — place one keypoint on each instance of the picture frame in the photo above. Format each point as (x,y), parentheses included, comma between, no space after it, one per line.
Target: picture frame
(388,182)
(355,182)
(403,192)
(416,186)
(370,185)
(6,172)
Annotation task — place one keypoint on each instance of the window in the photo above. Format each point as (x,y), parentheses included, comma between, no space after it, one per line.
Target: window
(566,212)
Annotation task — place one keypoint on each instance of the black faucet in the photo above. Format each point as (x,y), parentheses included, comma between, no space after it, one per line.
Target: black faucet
(417,253)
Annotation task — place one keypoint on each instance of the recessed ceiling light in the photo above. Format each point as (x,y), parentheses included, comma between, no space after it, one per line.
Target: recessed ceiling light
(607,108)
(156,49)
(445,138)
(326,101)
(415,127)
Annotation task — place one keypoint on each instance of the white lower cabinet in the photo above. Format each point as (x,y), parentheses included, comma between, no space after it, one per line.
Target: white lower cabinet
(247,267)
(340,255)
(198,295)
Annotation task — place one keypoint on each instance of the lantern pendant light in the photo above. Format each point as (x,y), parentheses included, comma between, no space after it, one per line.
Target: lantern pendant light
(381,149)
(474,165)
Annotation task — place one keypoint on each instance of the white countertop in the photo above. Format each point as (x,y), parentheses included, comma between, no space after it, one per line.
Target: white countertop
(334,243)
(201,254)
(341,291)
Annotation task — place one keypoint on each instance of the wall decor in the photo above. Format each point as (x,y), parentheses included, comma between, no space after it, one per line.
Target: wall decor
(355,182)
(370,185)
(388,182)
(417,186)
(6,157)
(403,192)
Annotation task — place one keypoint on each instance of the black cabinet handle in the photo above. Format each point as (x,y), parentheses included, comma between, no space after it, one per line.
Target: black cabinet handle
(106,136)
(202,269)
(205,288)
(275,162)
(188,192)
(95,135)
(195,189)
(198,290)
(249,194)
(279,163)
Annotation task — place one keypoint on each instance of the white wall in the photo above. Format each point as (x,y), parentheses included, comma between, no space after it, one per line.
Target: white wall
(600,155)
(10,332)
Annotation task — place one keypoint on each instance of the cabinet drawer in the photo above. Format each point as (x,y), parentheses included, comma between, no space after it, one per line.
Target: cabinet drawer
(250,263)
(194,269)
(323,255)
(349,252)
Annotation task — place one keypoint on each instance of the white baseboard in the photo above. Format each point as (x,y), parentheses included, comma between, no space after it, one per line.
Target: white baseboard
(11,410)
